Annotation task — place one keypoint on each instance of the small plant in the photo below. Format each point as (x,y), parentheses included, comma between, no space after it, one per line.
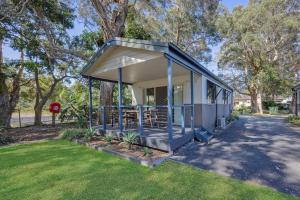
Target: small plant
(108,138)
(5,139)
(82,121)
(294,120)
(72,134)
(89,134)
(129,139)
(147,152)
(2,129)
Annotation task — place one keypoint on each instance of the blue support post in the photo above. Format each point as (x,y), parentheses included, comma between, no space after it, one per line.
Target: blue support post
(183,119)
(192,102)
(170,103)
(120,99)
(90,102)
(141,129)
(103,118)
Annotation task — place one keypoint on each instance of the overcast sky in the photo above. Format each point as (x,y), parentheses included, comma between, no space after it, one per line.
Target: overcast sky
(78,27)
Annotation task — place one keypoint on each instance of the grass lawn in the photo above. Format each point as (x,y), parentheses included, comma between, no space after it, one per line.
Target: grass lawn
(63,170)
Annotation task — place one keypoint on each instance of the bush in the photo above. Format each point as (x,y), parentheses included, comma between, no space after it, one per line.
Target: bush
(268,104)
(129,138)
(147,151)
(89,134)
(72,134)
(234,116)
(109,138)
(273,110)
(5,139)
(294,120)
(243,110)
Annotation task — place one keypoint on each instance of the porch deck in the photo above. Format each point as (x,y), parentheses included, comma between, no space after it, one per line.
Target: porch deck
(157,138)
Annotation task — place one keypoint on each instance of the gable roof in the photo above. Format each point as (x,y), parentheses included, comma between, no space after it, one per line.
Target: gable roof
(167,48)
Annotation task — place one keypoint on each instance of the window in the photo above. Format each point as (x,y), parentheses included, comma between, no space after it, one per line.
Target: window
(225,96)
(211,92)
(149,96)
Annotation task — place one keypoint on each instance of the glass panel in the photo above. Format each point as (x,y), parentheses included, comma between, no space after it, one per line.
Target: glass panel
(177,101)
(211,92)
(149,96)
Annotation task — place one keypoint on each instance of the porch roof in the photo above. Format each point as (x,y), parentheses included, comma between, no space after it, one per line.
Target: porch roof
(118,52)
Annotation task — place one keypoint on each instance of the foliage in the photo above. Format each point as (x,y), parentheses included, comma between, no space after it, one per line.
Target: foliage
(72,134)
(234,116)
(6,139)
(129,139)
(260,53)
(187,23)
(147,151)
(294,120)
(267,104)
(273,110)
(74,104)
(89,134)
(244,110)
(108,138)
(84,173)
(133,28)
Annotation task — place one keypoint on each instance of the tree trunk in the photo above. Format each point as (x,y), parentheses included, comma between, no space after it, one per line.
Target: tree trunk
(16,87)
(256,101)
(4,94)
(292,107)
(40,99)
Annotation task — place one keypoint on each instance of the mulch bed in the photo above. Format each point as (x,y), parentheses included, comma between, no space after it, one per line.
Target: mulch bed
(135,154)
(32,133)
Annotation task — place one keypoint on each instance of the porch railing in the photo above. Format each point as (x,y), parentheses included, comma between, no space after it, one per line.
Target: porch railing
(143,117)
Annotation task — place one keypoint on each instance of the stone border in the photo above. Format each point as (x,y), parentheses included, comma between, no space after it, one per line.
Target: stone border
(148,163)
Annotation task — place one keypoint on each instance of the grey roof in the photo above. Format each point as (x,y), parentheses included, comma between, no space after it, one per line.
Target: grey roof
(168,48)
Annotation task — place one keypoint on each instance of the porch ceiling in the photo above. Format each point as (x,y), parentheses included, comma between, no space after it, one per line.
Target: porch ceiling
(137,65)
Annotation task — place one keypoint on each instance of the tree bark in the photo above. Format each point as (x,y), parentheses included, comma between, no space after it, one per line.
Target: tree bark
(256,101)
(4,94)
(40,99)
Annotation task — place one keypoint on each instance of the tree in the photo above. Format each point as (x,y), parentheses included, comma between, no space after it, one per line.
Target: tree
(189,24)
(261,47)
(11,72)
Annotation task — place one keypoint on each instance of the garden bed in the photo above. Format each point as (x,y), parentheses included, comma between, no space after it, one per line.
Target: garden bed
(153,158)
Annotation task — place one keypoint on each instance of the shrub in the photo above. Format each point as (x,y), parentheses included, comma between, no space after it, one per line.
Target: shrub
(244,110)
(273,110)
(82,121)
(129,138)
(294,120)
(72,134)
(2,129)
(268,104)
(5,139)
(147,151)
(89,134)
(108,138)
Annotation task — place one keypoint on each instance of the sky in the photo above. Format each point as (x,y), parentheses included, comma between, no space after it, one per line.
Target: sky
(78,27)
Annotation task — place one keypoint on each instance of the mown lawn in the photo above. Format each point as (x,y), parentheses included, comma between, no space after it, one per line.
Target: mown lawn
(63,170)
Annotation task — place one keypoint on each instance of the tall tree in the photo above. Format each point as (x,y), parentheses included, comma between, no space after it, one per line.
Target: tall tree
(11,72)
(190,24)
(261,47)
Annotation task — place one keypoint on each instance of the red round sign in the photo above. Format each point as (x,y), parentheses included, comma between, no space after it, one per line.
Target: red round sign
(55,107)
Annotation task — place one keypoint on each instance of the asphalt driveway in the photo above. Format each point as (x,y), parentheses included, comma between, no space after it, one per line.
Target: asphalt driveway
(259,149)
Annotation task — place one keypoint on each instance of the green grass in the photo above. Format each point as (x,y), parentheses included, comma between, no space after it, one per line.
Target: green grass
(63,170)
